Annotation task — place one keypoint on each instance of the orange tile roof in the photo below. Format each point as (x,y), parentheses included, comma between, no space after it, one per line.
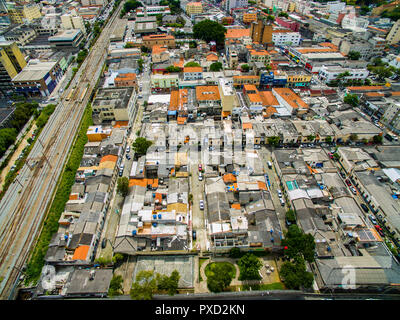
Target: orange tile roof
(374,94)
(247,125)
(395,93)
(125,76)
(365,88)
(250,87)
(158,37)
(312,50)
(329,45)
(179,64)
(192,69)
(259,53)
(173,100)
(235,206)
(158,197)
(81,253)
(73,197)
(212,56)
(225,113)
(237,33)
(269,112)
(268,99)
(207,93)
(254,97)
(109,157)
(291,98)
(157,49)
(181,120)
(138,182)
(119,124)
(246,77)
(262,185)
(229,178)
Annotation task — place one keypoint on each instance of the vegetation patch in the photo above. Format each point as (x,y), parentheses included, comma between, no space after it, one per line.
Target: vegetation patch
(212,267)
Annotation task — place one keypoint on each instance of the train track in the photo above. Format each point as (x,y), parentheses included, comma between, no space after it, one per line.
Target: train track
(23,210)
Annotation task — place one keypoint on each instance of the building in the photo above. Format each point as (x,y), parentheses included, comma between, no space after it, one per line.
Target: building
(67,39)
(93,3)
(159,39)
(287,23)
(290,100)
(21,13)
(194,8)
(145,25)
(393,36)
(228,5)
(391,117)
(257,55)
(228,97)
(261,32)
(209,100)
(249,17)
(159,54)
(330,73)
(285,37)
(38,78)
(164,83)
(22,34)
(125,80)
(192,73)
(12,61)
(114,104)
(72,21)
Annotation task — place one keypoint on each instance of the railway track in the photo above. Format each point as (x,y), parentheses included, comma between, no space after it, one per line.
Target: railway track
(24,208)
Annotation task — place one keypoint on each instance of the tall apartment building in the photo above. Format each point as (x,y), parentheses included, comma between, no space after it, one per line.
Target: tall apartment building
(393,36)
(23,13)
(12,61)
(391,117)
(231,4)
(261,32)
(194,8)
(93,3)
(72,21)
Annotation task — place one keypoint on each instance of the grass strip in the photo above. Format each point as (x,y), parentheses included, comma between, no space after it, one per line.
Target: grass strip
(50,226)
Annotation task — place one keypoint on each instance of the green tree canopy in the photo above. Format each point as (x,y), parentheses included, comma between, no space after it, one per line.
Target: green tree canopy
(249,266)
(377,139)
(123,186)
(192,64)
(291,216)
(245,67)
(351,99)
(208,30)
(216,66)
(172,69)
(354,55)
(115,286)
(295,276)
(144,287)
(283,14)
(169,284)
(299,244)
(220,277)
(273,141)
(140,145)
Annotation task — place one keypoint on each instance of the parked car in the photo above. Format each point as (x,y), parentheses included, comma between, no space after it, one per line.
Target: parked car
(104,243)
(353,190)
(200,176)
(201,203)
(364,207)
(279,193)
(379,229)
(194,234)
(121,172)
(348,182)
(282,202)
(200,167)
(128,157)
(128,149)
(372,218)
(342,174)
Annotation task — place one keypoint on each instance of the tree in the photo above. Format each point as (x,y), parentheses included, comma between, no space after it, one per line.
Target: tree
(245,67)
(290,216)
(118,257)
(123,186)
(351,99)
(298,244)
(131,5)
(354,55)
(270,18)
(220,278)
(172,69)
(115,288)
(353,137)
(129,45)
(208,30)
(310,137)
(235,253)
(192,64)
(7,138)
(328,139)
(192,44)
(283,14)
(216,66)
(140,64)
(144,287)
(377,139)
(273,141)
(169,284)
(249,266)
(140,145)
(295,276)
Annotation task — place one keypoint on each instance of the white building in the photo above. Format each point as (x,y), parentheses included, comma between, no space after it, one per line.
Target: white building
(89,3)
(284,38)
(329,73)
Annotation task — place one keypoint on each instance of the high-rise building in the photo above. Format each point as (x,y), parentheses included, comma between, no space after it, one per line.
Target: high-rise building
(12,61)
(231,4)
(72,21)
(261,31)
(393,36)
(20,13)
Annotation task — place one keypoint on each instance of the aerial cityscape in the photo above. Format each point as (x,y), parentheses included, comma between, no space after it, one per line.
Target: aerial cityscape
(219,149)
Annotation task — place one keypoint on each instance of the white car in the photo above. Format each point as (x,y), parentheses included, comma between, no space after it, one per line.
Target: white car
(201,203)
(200,176)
